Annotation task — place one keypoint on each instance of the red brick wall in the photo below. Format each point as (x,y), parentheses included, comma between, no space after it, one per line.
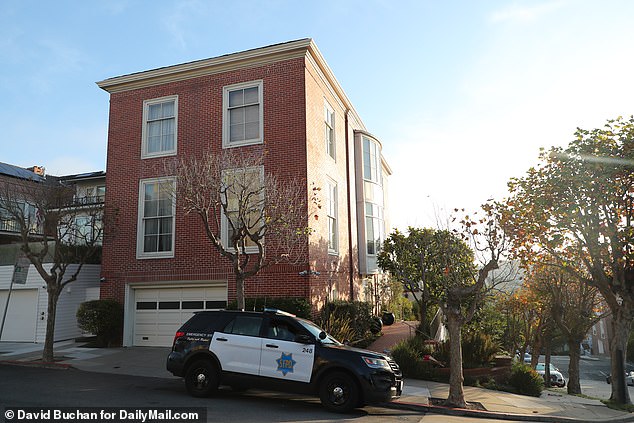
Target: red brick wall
(334,269)
(199,126)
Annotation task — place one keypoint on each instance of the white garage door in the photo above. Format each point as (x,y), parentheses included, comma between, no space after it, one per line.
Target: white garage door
(21,315)
(159,312)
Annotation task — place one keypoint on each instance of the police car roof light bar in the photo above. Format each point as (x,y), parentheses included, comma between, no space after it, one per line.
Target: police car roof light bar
(278,311)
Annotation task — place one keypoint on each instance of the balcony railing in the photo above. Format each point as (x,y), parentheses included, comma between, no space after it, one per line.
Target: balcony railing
(11,226)
(89,200)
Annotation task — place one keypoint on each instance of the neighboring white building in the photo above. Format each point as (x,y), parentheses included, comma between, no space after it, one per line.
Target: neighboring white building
(28,305)
(27,309)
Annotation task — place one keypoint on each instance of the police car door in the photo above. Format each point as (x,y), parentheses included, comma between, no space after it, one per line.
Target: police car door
(282,357)
(238,345)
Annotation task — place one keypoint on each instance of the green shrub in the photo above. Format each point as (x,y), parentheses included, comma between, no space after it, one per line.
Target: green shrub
(102,318)
(298,306)
(525,380)
(357,312)
(409,359)
(478,349)
(340,328)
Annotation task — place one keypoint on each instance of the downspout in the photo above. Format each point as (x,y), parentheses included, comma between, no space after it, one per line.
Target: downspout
(349,191)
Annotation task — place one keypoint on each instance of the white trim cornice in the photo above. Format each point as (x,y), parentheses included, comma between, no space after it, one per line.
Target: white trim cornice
(229,62)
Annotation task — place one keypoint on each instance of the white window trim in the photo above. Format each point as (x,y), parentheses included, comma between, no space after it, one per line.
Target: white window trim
(330,183)
(224,225)
(225,114)
(146,106)
(330,113)
(140,254)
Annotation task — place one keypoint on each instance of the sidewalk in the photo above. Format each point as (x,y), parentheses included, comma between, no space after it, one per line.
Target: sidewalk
(150,362)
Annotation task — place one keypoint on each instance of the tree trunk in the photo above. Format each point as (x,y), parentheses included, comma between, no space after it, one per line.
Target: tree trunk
(240,292)
(53,296)
(620,324)
(456,379)
(574,387)
(536,349)
(423,325)
(547,381)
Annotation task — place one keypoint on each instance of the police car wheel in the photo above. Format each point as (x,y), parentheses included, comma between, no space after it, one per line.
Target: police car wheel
(201,378)
(338,392)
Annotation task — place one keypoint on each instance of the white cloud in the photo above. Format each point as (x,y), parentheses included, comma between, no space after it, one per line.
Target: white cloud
(520,13)
(178,20)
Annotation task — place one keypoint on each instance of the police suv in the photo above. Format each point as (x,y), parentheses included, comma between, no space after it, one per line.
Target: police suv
(275,350)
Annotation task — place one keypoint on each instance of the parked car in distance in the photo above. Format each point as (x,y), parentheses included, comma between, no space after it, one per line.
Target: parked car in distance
(275,350)
(527,357)
(556,378)
(629,378)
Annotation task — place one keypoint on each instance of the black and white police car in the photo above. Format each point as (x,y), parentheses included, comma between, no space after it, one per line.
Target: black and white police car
(275,350)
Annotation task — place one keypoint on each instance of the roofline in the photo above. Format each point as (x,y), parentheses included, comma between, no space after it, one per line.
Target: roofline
(84,176)
(183,71)
(305,47)
(22,173)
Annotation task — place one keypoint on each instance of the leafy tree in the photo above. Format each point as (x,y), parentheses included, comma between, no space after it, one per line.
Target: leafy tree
(408,258)
(57,235)
(574,305)
(446,267)
(490,319)
(511,309)
(579,202)
(232,192)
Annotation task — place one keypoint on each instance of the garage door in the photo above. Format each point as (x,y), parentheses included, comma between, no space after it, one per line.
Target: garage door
(21,315)
(159,312)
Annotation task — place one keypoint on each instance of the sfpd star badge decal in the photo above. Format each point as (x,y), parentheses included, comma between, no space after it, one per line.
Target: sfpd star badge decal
(285,363)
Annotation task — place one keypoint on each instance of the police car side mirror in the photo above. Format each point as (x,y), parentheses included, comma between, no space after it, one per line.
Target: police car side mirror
(322,335)
(304,339)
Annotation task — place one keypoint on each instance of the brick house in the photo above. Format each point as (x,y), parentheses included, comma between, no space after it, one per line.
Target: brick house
(282,101)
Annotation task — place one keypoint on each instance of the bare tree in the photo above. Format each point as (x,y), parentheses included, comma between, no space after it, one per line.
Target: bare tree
(250,216)
(54,233)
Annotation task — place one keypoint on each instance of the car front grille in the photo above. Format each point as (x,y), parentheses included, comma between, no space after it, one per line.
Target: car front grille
(394,366)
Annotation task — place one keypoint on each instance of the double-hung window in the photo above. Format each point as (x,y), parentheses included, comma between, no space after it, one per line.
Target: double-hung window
(371,161)
(242,114)
(374,227)
(329,125)
(331,211)
(157,212)
(243,193)
(160,117)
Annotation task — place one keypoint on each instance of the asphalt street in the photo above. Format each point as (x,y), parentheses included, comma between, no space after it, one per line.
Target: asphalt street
(592,375)
(24,386)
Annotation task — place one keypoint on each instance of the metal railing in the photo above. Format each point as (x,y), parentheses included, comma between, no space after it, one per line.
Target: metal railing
(11,226)
(89,200)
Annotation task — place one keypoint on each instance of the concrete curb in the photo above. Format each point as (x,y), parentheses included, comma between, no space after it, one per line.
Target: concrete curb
(461,412)
(45,365)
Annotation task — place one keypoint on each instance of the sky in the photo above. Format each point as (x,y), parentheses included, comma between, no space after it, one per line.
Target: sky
(462,94)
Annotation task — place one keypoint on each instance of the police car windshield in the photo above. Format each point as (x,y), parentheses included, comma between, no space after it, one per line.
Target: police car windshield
(316,330)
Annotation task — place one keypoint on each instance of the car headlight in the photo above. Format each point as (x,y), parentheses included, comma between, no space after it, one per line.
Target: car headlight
(376,363)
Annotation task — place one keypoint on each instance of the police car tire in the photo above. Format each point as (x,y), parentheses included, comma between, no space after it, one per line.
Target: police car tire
(201,379)
(338,392)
